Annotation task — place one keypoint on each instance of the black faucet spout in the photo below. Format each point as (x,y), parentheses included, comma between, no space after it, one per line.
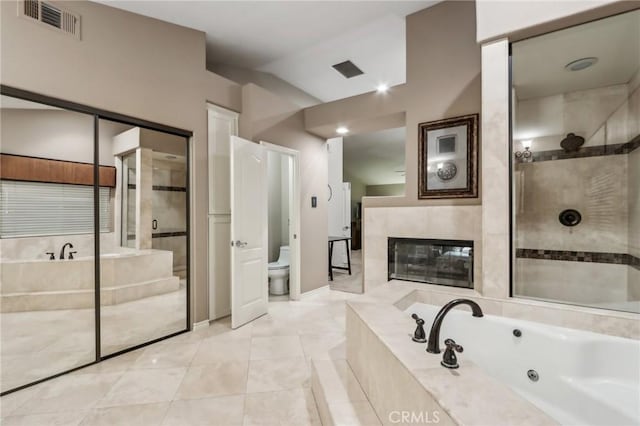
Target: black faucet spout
(61,257)
(433,345)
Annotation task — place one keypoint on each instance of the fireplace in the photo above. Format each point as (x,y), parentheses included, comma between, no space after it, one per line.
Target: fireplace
(442,262)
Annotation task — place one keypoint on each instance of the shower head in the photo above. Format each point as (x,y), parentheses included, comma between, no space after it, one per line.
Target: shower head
(572,142)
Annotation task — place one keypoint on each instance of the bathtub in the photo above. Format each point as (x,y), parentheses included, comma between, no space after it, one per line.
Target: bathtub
(584,378)
(125,275)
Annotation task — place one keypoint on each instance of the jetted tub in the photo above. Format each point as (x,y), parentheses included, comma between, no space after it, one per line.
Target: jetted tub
(584,378)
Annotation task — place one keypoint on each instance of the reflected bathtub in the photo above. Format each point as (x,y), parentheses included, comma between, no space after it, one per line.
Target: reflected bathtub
(125,275)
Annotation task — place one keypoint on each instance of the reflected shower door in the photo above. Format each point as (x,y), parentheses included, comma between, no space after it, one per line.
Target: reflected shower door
(143,282)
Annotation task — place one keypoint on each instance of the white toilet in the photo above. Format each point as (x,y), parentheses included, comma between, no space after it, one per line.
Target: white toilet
(279,273)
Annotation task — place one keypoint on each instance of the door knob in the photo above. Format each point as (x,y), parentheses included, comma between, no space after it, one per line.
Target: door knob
(239,243)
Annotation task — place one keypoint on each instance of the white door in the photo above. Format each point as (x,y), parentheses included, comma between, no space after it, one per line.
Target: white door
(249,216)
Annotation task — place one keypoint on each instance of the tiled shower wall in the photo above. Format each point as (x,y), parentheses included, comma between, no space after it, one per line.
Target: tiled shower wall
(603,187)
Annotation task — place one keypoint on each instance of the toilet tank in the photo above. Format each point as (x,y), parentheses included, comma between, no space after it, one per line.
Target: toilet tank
(284,255)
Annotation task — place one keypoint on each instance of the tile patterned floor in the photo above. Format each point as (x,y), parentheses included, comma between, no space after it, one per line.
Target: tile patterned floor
(258,374)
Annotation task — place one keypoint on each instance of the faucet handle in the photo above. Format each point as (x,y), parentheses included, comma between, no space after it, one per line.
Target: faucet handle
(51,255)
(71,253)
(419,335)
(452,345)
(449,359)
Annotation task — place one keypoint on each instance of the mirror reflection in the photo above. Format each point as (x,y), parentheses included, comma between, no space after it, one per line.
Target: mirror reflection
(144,263)
(47,252)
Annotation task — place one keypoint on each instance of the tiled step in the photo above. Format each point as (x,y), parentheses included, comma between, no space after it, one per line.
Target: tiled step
(338,395)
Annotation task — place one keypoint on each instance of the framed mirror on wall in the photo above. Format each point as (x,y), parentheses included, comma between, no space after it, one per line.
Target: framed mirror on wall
(94,236)
(575,166)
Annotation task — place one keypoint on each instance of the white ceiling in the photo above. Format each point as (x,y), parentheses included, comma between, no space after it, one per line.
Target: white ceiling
(538,63)
(376,158)
(298,41)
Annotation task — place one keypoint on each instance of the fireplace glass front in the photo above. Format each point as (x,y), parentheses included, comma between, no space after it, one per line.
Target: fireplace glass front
(442,262)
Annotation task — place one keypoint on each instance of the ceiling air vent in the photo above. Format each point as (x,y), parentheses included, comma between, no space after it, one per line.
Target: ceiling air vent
(51,15)
(348,69)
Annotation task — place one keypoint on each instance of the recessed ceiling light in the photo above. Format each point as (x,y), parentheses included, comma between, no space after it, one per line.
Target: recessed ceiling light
(580,64)
(342,130)
(382,88)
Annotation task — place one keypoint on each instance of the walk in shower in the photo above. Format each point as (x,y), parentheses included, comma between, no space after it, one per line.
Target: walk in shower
(576,165)
(93,236)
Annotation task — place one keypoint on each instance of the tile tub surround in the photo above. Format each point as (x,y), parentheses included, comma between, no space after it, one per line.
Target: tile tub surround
(69,284)
(571,282)
(397,374)
(378,338)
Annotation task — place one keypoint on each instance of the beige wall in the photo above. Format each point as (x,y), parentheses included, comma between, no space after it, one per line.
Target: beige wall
(55,134)
(358,190)
(265,117)
(131,65)
(394,189)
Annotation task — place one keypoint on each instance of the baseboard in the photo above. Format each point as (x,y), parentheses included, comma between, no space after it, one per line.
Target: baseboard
(199,325)
(314,291)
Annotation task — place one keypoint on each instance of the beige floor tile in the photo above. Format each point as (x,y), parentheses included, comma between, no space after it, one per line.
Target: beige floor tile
(116,364)
(270,326)
(278,374)
(69,393)
(324,346)
(168,355)
(285,408)
(216,379)
(69,418)
(354,413)
(219,349)
(221,411)
(9,403)
(144,386)
(127,415)
(276,347)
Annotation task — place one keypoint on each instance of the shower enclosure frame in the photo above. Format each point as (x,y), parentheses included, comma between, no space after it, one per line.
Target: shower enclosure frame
(99,114)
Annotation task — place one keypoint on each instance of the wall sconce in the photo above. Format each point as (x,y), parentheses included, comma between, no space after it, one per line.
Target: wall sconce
(527,150)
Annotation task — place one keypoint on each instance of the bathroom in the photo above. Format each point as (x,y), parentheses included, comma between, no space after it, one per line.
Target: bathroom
(512,362)
(280,207)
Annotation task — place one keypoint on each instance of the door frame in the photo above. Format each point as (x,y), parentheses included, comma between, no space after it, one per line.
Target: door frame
(218,267)
(294,217)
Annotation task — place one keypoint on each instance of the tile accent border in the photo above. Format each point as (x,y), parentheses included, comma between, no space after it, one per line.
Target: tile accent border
(586,151)
(580,256)
(163,188)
